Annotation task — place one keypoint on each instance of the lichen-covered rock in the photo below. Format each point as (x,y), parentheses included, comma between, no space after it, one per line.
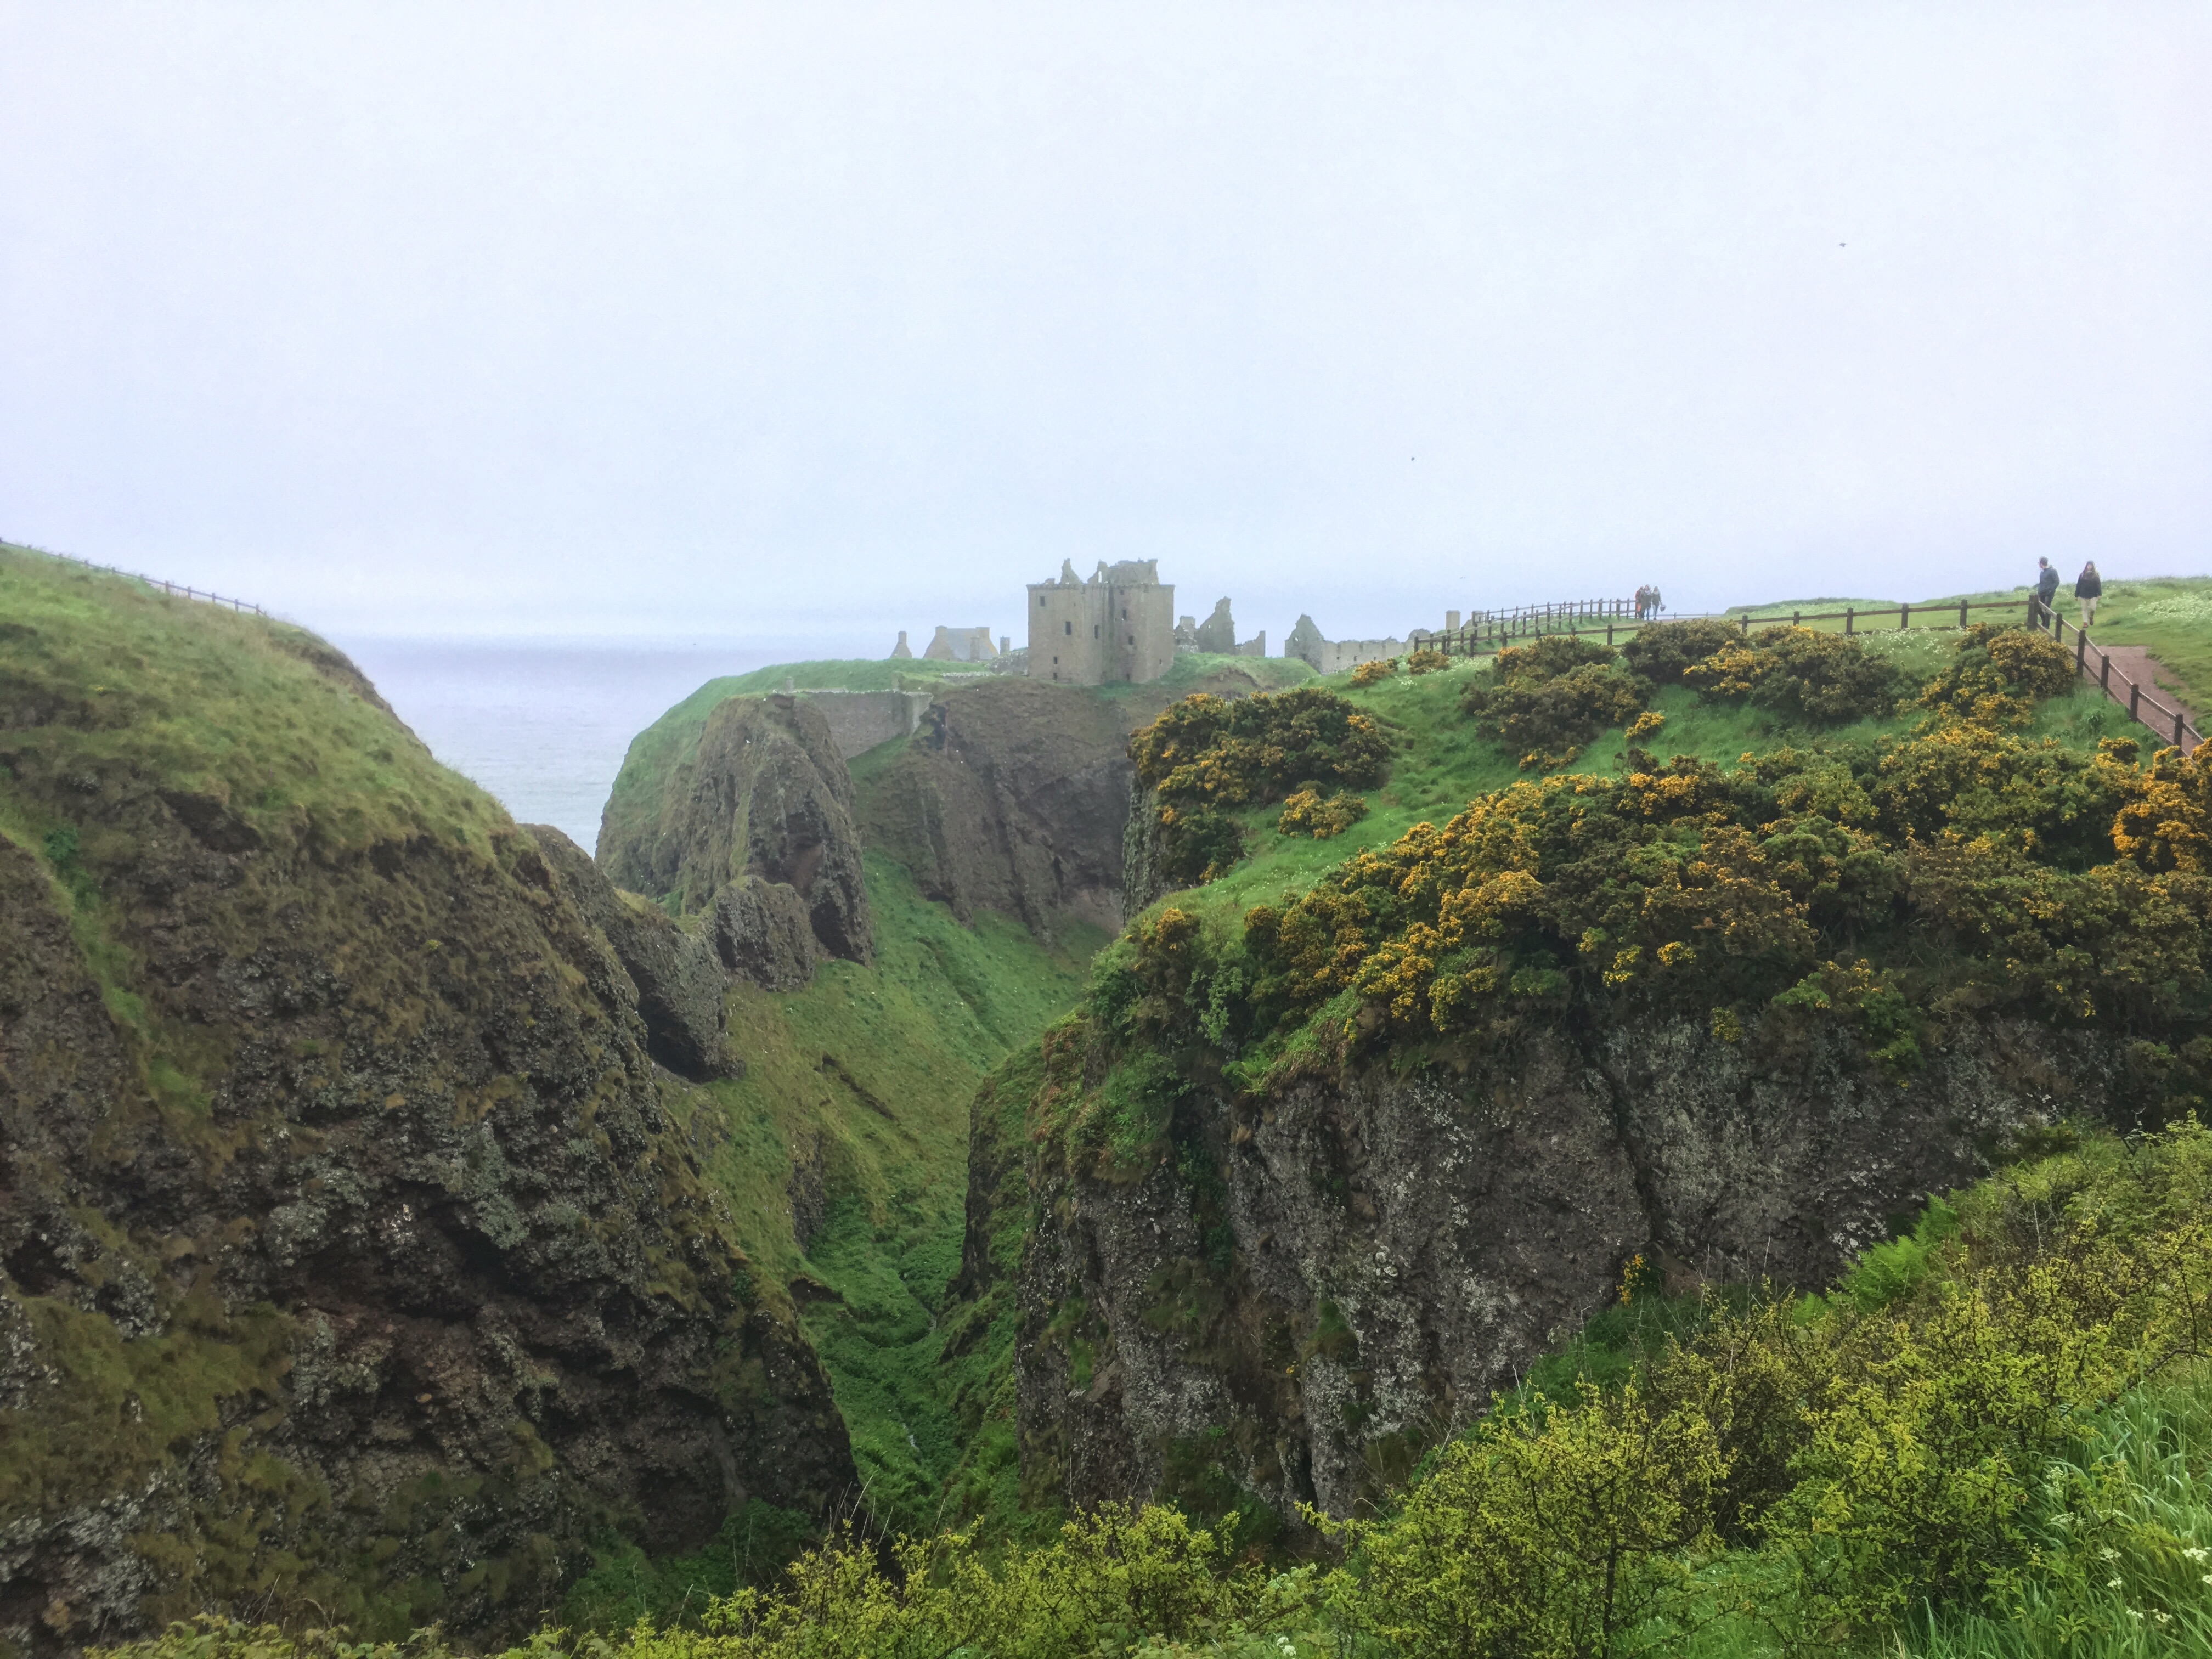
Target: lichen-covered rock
(1292,1298)
(1011,797)
(764,934)
(1144,879)
(350,1266)
(765,794)
(677,972)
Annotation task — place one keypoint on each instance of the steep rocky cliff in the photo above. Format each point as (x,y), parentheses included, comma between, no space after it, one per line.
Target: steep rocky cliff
(1289,1299)
(1010,797)
(678,974)
(765,797)
(348,1256)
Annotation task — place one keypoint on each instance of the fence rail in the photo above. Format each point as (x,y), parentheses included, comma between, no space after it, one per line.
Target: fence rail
(175,590)
(1489,630)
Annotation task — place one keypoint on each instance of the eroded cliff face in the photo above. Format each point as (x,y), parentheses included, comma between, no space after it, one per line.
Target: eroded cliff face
(347,1254)
(1010,797)
(766,799)
(1290,1300)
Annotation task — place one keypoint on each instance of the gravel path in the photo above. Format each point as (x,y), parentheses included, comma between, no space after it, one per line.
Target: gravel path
(2139,666)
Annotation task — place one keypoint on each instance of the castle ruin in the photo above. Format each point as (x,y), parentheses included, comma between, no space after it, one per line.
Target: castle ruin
(1335,656)
(1217,634)
(1118,625)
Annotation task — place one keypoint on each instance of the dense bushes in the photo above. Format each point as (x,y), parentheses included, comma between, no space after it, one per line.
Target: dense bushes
(1962,869)
(1800,674)
(1307,813)
(1999,676)
(1207,754)
(1550,698)
(1661,651)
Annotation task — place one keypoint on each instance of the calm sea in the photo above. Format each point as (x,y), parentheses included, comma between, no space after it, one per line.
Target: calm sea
(543,727)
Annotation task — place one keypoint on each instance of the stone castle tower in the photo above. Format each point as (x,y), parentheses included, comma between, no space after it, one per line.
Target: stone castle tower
(1119,625)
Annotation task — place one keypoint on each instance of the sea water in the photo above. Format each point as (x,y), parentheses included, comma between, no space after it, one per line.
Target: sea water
(543,727)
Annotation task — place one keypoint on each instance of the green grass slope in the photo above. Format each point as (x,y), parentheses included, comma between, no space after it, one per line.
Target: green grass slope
(1442,762)
(2170,617)
(855,1110)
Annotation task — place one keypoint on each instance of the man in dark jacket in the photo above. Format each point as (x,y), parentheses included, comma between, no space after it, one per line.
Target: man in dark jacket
(2046,585)
(2088,587)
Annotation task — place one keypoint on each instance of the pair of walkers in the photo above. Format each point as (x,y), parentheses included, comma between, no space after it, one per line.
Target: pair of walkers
(2088,588)
(1647,603)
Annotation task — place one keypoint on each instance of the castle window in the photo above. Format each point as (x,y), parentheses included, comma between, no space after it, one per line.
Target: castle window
(1040,601)
(1094,630)
(1067,627)
(1132,638)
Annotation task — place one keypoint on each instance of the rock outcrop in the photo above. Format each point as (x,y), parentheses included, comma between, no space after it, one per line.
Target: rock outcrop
(1294,1298)
(1011,797)
(350,1266)
(766,794)
(678,973)
(764,934)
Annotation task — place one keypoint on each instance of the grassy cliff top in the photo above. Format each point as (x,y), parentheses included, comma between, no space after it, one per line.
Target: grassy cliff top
(1442,762)
(273,724)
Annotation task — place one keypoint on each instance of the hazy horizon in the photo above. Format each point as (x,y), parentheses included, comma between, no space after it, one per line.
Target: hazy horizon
(786,330)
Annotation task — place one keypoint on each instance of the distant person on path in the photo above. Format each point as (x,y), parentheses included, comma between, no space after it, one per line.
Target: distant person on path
(2046,587)
(2088,587)
(1643,601)
(1653,602)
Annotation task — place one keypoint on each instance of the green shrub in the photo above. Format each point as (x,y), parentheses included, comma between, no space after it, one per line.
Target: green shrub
(1811,882)
(1205,755)
(1661,651)
(1550,698)
(1999,675)
(1307,813)
(1800,674)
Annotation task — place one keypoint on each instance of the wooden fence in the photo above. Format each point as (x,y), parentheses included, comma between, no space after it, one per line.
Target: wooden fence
(1615,620)
(175,590)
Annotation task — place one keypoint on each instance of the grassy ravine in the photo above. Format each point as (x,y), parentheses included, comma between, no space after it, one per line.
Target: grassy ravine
(862,1083)
(916,1034)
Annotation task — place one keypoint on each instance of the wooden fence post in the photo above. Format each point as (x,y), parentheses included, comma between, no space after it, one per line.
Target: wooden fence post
(2105,678)
(1850,617)
(1962,613)
(2135,700)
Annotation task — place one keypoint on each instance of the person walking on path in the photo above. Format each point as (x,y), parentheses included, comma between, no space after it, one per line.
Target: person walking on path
(1643,600)
(1651,598)
(2088,587)
(2046,587)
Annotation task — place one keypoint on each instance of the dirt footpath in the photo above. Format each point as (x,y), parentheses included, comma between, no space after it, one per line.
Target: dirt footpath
(2139,666)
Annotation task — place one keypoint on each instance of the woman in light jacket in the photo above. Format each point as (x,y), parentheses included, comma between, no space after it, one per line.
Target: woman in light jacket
(2086,589)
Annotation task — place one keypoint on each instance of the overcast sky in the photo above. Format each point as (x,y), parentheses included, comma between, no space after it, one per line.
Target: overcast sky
(806,323)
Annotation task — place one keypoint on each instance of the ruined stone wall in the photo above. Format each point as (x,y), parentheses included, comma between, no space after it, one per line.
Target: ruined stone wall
(858,720)
(1335,656)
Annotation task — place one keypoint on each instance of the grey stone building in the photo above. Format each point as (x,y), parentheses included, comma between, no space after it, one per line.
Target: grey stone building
(1119,625)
